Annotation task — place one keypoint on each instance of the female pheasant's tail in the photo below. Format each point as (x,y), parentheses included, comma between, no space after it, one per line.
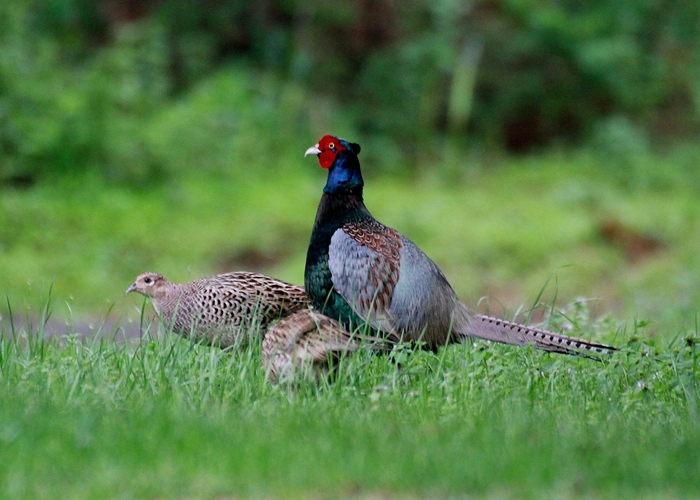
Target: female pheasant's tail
(498,330)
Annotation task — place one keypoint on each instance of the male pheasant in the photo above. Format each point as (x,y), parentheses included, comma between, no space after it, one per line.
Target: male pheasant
(222,309)
(305,342)
(362,272)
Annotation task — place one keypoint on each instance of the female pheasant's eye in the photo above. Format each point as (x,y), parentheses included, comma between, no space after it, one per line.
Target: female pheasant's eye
(148,281)
(331,145)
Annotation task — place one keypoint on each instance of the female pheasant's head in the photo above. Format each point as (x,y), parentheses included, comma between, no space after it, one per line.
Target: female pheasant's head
(340,158)
(150,284)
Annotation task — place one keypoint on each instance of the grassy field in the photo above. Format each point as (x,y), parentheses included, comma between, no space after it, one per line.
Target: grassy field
(160,417)
(612,232)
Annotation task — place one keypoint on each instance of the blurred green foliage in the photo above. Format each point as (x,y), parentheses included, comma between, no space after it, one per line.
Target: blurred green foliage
(83,83)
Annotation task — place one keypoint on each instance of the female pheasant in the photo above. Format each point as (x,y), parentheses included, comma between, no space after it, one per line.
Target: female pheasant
(304,343)
(362,272)
(222,309)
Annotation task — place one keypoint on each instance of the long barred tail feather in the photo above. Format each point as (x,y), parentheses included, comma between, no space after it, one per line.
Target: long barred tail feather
(498,330)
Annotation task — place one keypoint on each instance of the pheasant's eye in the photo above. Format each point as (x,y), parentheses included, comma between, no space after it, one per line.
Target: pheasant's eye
(148,281)
(331,145)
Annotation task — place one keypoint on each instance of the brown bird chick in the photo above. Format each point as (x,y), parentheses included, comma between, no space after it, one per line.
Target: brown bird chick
(222,310)
(304,343)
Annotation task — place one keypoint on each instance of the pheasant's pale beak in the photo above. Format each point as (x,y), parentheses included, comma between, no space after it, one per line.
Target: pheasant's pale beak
(131,288)
(313,150)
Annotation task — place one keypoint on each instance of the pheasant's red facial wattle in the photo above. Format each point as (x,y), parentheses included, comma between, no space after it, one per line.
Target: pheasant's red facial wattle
(326,158)
(327,149)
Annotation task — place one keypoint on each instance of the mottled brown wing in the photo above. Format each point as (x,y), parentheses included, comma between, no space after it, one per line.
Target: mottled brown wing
(304,342)
(243,296)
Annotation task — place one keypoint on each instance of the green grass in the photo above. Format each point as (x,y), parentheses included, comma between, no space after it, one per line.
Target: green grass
(222,186)
(162,417)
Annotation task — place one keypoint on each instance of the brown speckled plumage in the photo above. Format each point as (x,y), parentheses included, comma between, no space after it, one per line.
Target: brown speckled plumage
(303,343)
(220,309)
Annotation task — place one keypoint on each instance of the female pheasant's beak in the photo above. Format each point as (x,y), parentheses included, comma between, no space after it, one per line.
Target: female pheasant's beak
(313,150)
(132,288)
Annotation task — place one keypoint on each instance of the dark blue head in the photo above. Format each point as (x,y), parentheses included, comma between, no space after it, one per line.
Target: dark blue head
(340,158)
